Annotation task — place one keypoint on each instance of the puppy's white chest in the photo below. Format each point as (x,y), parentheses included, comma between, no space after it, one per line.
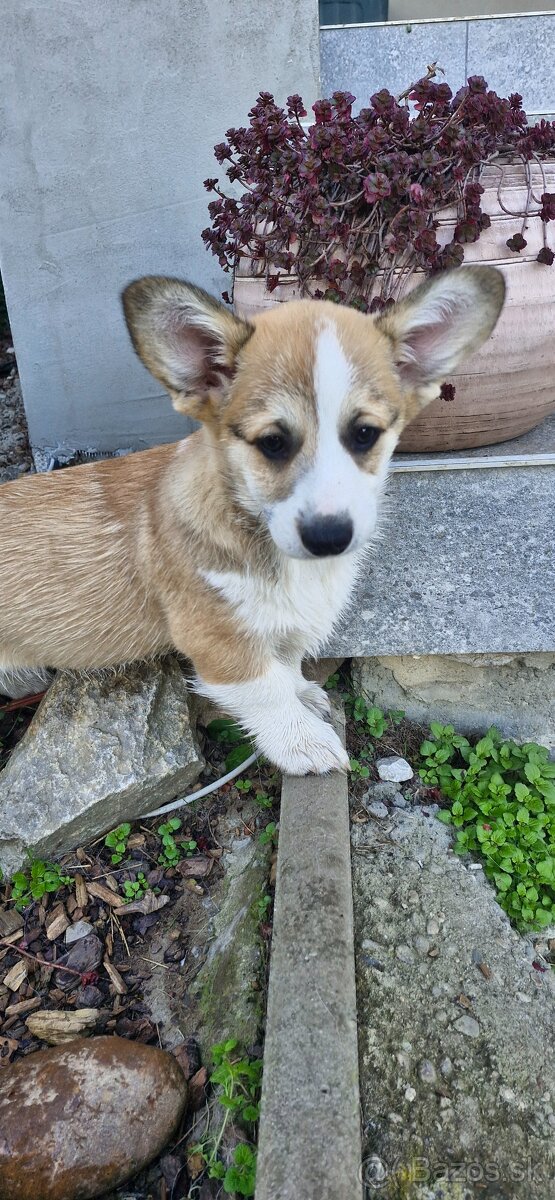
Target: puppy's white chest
(306,601)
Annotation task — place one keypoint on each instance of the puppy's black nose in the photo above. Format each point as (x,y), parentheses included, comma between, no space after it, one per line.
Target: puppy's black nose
(326,535)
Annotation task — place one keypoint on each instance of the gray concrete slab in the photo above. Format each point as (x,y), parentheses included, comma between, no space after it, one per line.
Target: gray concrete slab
(515,54)
(309,1142)
(465,565)
(364,59)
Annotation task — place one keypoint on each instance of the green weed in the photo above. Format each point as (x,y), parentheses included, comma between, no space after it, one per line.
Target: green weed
(116,841)
(238,1080)
(44,877)
(173,851)
(503,806)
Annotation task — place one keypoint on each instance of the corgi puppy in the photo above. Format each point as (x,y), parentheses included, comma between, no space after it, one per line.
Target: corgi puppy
(240,545)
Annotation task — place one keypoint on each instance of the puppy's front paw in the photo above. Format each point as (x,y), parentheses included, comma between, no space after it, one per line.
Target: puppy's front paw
(315,698)
(305,746)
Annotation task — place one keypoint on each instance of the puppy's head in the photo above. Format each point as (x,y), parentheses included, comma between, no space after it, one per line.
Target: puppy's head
(308,400)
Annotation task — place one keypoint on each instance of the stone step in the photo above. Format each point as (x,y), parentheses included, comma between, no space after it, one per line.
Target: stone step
(309,1141)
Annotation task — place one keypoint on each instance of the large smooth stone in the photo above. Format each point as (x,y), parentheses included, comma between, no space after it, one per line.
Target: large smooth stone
(79,1119)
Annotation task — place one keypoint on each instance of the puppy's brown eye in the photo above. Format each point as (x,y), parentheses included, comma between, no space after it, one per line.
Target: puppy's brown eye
(274,445)
(364,437)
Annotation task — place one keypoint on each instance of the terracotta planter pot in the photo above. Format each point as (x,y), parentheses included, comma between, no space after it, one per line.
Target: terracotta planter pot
(508,387)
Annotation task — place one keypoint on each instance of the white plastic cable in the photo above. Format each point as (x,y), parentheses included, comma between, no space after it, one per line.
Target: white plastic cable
(212,787)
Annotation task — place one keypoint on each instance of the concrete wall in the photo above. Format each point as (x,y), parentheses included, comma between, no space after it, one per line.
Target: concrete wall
(108,116)
(515,54)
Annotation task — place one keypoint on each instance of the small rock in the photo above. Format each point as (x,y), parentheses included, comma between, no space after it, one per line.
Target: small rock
(386,792)
(108,1106)
(410,1094)
(422,944)
(85,955)
(427,1071)
(404,954)
(446,1068)
(377,809)
(432,927)
(77,931)
(394,769)
(467,1025)
(399,800)
(89,997)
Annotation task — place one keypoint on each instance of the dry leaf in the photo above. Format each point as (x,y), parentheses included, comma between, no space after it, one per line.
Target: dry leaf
(115,977)
(16,975)
(149,903)
(100,892)
(195,867)
(56,1027)
(81,893)
(197,1090)
(188,1056)
(136,841)
(194,887)
(195,1164)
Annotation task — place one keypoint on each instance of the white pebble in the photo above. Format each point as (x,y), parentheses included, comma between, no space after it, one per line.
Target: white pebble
(394,769)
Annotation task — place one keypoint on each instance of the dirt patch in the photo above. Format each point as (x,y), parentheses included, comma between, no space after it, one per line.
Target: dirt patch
(140,957)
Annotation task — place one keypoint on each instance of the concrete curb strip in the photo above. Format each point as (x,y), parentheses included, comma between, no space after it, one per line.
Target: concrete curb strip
(309,1143)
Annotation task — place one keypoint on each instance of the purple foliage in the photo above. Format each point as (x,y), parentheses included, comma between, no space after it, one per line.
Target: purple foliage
(353,199)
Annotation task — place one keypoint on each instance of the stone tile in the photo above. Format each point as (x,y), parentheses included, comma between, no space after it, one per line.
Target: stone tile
(363,60)
(464,565)
(515,54)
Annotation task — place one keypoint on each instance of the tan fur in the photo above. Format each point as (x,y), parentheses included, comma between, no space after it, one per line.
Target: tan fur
(103,563)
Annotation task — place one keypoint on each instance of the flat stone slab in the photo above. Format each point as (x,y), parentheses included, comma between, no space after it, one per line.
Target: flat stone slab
(465,565)
(102,748)
(309,1141)
(456,1018)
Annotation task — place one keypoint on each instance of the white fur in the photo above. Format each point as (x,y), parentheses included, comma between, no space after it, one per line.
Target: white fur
(275,710)
(334,484)
(305,603)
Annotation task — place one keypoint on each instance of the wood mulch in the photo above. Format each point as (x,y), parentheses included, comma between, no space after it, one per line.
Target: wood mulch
(42,977)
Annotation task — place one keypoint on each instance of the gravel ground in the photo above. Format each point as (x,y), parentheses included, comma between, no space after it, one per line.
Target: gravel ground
(15,452)
(456,1015)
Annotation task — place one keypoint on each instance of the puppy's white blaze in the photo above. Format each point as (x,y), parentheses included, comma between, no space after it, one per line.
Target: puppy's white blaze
(291,735)
(333,378)
(312,596)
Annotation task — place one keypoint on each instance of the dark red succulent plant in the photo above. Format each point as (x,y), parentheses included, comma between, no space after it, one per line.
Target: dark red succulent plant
(352,201)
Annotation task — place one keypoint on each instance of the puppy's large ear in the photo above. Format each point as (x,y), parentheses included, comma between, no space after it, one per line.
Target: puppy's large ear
(188,340)
(440,323)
